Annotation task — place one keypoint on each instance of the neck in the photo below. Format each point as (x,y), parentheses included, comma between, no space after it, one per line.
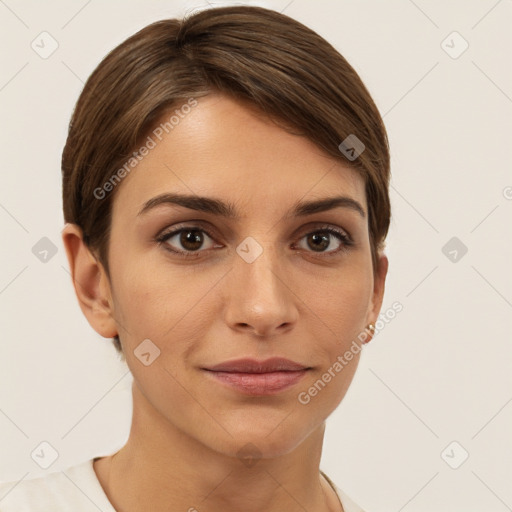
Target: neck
(161,465)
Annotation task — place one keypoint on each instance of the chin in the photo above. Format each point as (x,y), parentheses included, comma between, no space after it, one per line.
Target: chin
(250,449)
(263,441)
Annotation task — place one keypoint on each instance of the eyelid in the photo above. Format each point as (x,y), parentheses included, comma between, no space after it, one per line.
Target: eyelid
(342,235)
(167,233)
(207,227)
(319,226)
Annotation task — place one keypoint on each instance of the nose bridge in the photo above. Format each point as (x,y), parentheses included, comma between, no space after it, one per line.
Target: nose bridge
(256,267)
(259,297)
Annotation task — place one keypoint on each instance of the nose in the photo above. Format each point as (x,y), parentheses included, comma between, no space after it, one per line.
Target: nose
(258,298)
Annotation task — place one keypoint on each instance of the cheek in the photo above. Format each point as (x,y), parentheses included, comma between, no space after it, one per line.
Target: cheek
(163,302)
(342,310)
(343,302)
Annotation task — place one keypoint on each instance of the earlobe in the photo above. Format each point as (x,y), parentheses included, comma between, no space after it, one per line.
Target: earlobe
(90,281)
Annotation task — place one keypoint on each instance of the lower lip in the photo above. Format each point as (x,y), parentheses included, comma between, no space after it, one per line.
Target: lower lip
(259,383)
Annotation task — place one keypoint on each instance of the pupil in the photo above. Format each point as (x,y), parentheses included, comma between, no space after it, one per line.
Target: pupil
(188,238)
(321,238)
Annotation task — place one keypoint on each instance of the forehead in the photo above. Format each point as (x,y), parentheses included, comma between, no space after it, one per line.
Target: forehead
(227,149)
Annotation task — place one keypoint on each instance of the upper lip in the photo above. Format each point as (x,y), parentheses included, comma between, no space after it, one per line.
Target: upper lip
(274,364)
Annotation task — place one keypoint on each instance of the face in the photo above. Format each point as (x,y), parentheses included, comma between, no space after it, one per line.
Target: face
(269,280)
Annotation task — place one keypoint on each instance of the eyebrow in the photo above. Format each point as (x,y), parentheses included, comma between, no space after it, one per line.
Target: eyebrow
(228,210)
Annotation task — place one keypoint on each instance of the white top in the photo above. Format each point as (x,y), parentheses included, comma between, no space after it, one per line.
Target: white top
(78,489)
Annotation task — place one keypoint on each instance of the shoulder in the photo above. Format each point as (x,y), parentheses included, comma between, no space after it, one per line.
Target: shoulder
(349,505)
(74,488)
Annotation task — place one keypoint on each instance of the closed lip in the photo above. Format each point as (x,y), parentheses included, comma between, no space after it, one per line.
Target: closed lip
(274,364)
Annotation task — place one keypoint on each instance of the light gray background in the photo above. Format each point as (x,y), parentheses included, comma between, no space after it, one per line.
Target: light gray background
(439,372)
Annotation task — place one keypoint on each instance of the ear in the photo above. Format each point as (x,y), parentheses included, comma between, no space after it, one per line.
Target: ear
(91,283)
(378,288)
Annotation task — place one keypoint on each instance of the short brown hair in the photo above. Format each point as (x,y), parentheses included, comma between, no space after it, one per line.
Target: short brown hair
(257,55)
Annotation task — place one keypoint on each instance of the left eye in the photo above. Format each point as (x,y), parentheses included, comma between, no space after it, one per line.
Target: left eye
(320,239)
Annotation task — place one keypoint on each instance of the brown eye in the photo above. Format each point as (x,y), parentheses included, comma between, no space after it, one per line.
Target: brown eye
(320,240)
(191,239)
(188,240)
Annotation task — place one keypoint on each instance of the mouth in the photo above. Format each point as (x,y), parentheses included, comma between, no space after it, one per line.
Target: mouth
(262,378)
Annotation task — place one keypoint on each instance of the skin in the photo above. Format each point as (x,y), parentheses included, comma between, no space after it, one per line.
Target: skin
(292,301)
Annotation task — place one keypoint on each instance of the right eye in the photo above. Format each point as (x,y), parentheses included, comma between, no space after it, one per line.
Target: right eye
(190,238)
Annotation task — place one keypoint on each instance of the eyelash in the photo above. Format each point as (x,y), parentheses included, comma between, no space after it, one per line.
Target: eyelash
(347,242)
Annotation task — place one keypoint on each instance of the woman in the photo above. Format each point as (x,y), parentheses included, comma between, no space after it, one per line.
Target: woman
(225,188)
